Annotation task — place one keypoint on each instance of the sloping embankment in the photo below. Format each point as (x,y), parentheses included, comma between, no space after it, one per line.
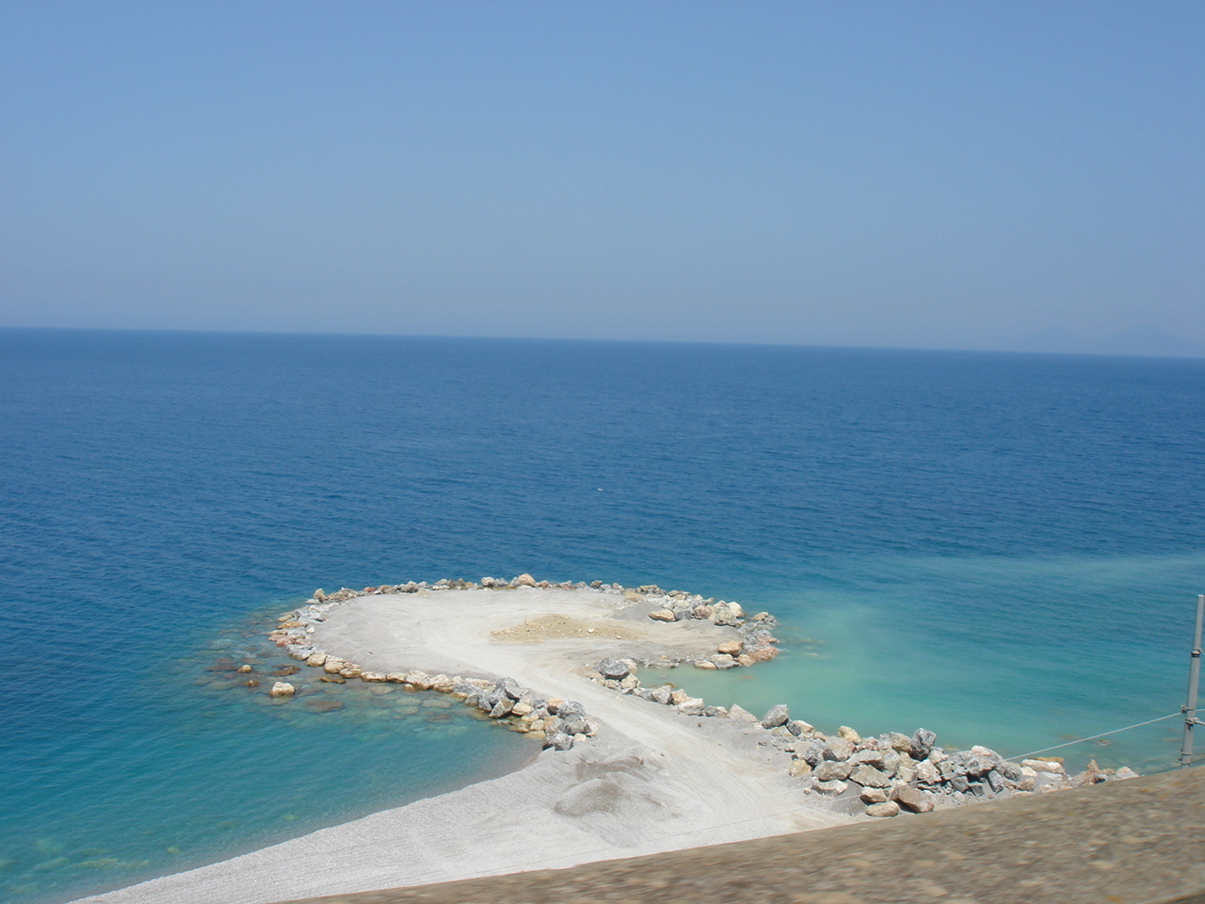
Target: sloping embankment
(1135,842)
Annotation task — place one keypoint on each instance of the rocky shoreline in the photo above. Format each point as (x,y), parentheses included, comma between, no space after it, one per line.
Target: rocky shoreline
(879,776)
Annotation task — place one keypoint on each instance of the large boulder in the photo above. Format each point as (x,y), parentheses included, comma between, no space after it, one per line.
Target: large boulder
(282,689)
(812,751)
(799,768)
(905,769)
(838,749)
(873,795)
(775,716)
(911,798)
(831,771)
(502,708)
(870,756)
(726,614)
(831,788)
(576,725)
(511,688)
(869,777)
(922,743)
(741,714)
(419,679)
(927,773)
(1052,765)
(615,669)
(887,808)
(558,740)
(971,763)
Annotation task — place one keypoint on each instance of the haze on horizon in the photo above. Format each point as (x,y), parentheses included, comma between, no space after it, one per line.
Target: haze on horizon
(998,175)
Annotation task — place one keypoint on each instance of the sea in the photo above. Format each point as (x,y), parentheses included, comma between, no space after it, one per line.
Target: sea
(1002,548)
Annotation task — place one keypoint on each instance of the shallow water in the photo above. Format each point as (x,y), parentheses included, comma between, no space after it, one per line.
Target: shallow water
(974,650)
(186,765)
(1004,549)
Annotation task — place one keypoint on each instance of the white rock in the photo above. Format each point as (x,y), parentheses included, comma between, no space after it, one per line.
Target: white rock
(833,788)
(888,808)
(1051,766)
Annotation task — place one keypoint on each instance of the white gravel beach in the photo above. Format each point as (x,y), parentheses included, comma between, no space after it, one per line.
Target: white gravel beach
(653,779)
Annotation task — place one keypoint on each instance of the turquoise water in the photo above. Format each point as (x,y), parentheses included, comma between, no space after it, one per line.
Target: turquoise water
(1017,655)
(1003,548)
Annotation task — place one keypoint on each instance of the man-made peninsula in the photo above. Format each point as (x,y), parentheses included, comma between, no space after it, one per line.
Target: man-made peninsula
(624,770)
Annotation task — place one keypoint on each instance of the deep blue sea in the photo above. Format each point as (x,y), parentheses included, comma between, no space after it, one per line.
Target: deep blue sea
(1005,549)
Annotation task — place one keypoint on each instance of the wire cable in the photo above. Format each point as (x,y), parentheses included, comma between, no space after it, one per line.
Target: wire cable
(1094,737)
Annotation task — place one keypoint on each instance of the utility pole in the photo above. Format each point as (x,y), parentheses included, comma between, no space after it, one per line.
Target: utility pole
(1194,677)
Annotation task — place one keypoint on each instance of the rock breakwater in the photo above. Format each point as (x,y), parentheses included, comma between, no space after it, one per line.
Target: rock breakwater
(887,774)
(879,776)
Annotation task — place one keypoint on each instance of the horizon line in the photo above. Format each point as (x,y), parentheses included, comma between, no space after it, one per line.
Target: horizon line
(355,334)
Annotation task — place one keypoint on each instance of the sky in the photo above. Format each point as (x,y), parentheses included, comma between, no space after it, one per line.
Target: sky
(997,175)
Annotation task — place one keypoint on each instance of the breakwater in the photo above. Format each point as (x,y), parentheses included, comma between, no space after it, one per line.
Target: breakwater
(881,776)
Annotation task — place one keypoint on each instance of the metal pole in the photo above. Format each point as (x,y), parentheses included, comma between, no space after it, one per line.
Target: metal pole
(1194,678)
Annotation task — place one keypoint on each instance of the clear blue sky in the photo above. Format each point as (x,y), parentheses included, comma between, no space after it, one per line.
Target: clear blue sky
(958,174)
